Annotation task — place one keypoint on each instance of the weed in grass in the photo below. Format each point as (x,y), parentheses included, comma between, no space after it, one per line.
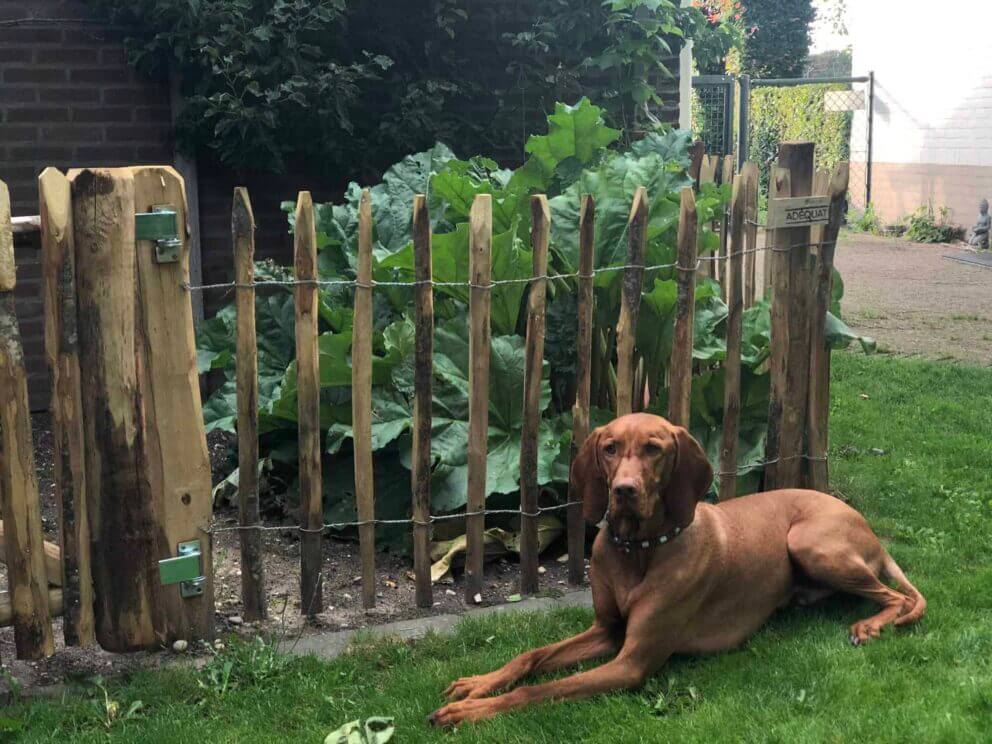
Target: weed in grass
(109,712)
(924,227)
(866,222)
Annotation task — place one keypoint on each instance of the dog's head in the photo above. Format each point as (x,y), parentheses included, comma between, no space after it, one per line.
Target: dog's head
(642,469)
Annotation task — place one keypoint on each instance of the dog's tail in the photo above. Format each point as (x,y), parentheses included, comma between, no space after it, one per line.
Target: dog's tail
(894,573)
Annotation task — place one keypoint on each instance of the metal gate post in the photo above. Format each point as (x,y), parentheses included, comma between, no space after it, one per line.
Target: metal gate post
(871,122)
(743,122)
(728,115)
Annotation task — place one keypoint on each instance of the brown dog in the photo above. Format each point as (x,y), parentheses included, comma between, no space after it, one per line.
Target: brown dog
(671,575)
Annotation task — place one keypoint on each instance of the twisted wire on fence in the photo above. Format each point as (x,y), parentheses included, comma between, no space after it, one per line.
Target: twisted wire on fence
(494,282)
(741,470)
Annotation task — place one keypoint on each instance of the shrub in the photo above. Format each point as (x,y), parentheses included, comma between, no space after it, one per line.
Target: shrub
(923,227)
(797,113)
(867,222)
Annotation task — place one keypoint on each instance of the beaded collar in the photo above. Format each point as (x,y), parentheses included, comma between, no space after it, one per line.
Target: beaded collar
(627,545)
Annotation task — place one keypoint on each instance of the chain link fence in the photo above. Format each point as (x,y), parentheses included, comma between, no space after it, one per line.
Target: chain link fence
(835,113)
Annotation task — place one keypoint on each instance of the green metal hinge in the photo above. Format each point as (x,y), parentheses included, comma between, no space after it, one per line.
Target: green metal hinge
(161,225)
(186,569)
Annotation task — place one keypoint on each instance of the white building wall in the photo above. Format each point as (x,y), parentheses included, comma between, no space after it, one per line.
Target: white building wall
(933,99)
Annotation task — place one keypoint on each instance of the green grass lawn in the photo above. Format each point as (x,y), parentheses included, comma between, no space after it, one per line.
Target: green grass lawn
(911,448)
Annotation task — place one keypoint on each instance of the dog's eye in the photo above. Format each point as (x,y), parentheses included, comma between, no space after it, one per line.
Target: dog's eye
(610,448)
(652,448)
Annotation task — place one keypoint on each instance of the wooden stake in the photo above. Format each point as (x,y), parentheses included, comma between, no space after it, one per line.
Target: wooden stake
(480,262)
(789,368)
(750,173)
(19,501)
(423,365)
(174,455)
(361,400)
(583,383)
(696,154)
(308,399)
(61,351)
(726,177)
(252,564)
(680,369)
(633,278)
(540,231)
(819,394)
(732,364)
(127,596)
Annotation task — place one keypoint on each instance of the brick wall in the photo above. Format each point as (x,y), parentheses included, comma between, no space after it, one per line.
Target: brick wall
(67,99)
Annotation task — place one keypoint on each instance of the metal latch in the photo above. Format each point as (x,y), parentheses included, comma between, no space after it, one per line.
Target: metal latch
(162,226)
(186,569)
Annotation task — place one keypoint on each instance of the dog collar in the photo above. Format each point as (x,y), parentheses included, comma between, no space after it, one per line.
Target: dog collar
(628,545)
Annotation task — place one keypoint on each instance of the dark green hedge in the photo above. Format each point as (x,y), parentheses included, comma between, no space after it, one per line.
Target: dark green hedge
(797,113)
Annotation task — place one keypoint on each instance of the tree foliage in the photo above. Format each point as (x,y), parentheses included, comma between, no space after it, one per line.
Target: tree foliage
(777,37)
(334,86)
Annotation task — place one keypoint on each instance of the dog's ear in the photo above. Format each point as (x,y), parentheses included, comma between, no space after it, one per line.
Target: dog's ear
(587,480)
(690,480)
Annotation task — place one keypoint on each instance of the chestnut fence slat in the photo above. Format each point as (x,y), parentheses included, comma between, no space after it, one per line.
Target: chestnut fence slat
(61,347)
(583,381)
(423,366)
(732,363)
(790,326)
(19,503)
(819,365)
(540,233)
(252,566)
(680,369)
(145,380)
(361,400)
(480,237)
(630,304)
(308,401)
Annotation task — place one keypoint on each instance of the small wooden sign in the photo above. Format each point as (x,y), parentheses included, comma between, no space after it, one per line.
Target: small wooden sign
(798,211)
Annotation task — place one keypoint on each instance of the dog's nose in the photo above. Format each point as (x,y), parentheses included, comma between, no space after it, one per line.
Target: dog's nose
(624,490)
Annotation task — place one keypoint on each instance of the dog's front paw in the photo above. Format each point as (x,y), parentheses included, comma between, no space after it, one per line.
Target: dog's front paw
(471,687)
(463,711)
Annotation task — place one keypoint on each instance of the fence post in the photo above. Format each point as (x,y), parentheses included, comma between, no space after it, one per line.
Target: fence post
(680,367)
(819,394)
(59,264)
(423,367)
(480,262)
(173,438)
(246,359)
(633,277)
(540,231)
(19,503)
(583,382)
(361,400)
(750,173)
(308,401)
(732,364)
(790,328)
(126,596)
(726,177)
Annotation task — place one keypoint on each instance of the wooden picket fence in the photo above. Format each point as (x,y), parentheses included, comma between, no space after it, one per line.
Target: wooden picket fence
(131,466)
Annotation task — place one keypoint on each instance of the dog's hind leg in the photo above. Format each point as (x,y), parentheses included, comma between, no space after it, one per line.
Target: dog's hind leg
(841,551)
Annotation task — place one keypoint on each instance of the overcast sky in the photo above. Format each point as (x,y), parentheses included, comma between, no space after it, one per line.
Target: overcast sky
(824,37)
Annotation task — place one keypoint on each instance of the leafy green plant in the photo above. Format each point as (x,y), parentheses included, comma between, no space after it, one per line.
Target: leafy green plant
(572,159)
(924,227)
(109,712)
(239,664)
(867,222)
(777,37)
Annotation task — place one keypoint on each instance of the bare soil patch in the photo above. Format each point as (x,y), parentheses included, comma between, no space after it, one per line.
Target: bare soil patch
(913,301)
